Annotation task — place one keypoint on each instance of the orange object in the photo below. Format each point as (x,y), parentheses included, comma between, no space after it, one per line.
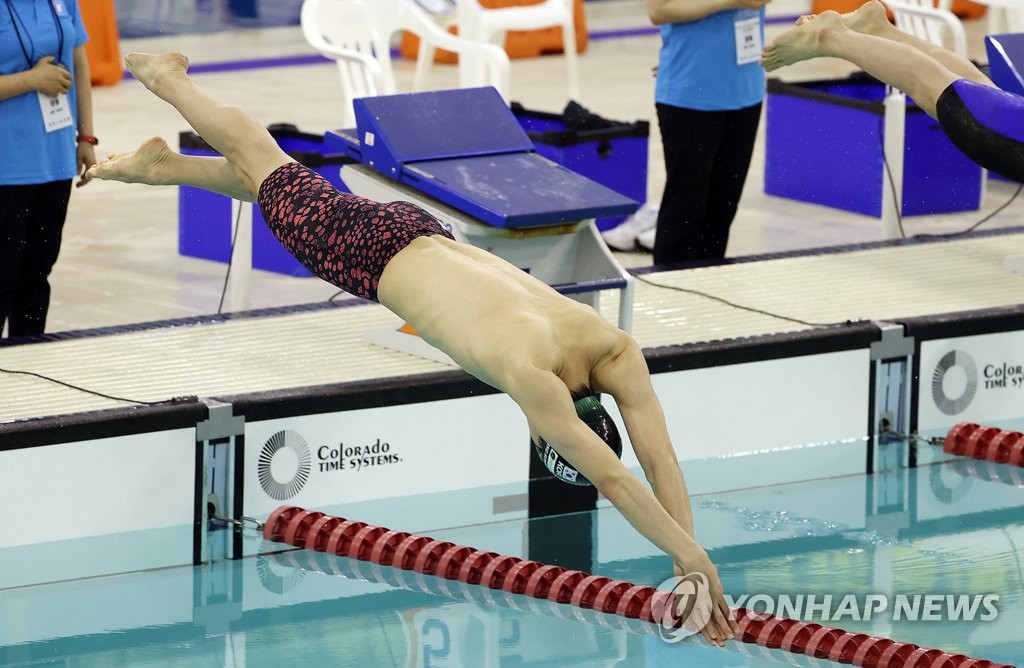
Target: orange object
(518,43)
(103,48)
(966,9)
(841,6)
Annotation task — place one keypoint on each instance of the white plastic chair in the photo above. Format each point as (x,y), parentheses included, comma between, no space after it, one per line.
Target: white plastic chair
(935,24)
(357,35)
(483,24)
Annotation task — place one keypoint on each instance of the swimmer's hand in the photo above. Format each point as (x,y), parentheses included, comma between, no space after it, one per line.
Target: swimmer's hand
(722,625)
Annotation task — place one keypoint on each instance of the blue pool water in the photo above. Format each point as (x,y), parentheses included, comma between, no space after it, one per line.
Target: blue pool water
(941,529)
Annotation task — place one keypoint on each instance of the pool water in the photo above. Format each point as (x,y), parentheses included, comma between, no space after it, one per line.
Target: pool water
(946,530)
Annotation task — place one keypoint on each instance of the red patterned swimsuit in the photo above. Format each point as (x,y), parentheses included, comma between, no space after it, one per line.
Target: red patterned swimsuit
(344,239)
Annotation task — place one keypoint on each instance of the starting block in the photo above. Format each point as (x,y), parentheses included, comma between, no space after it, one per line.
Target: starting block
(463,156)
(466,148)
(1006,61)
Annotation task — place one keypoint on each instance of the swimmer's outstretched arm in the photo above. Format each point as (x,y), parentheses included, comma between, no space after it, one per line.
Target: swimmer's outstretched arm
(548,406)
(629,382)
(155,164)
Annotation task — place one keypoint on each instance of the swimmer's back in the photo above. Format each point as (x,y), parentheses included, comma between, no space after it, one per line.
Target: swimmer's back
(489,315)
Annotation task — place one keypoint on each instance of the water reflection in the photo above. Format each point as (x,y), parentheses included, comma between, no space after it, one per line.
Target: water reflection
(300,607)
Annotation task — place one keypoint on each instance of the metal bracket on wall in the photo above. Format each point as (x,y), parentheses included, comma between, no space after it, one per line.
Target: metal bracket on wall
(893,344)
(887,507)
(217,438)
(892,356)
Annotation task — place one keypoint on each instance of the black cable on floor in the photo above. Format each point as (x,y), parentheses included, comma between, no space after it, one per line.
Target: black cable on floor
(897,203)
(896,199)
(741,306)
(81,389)
(977,224)
(231,258)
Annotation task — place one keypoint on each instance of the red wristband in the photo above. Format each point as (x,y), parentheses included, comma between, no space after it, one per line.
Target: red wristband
(88,139)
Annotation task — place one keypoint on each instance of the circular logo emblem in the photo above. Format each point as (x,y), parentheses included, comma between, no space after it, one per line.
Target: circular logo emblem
(954,382)
(284,465)
(682,606)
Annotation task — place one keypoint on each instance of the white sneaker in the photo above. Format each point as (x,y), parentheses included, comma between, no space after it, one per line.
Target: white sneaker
(624,236)
(646,239)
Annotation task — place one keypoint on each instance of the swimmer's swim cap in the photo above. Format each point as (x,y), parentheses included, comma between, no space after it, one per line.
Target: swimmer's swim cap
(593,414)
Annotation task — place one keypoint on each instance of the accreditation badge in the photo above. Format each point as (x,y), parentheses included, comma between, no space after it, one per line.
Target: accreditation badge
(56,111)
(748,40)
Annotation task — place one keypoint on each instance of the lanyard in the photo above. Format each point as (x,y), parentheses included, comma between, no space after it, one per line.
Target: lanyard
(16,19)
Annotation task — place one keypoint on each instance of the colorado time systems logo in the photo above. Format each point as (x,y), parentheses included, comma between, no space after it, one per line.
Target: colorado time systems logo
(954,382)
(284,465)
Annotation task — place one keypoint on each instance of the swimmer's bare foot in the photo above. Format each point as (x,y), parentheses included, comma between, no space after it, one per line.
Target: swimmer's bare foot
(870,18)
(804,42)
(143,165)
(152,69)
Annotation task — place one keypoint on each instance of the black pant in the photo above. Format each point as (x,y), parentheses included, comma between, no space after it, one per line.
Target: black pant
(31,223)
(707,154)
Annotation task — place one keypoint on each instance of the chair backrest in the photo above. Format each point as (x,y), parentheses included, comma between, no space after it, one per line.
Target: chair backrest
(487,24)
(922,19)
(350,33)
(357,35)
(543,14)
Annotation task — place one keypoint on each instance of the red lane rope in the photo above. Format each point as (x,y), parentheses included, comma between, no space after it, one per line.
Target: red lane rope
(1001,446)
(495,597)
(377,545)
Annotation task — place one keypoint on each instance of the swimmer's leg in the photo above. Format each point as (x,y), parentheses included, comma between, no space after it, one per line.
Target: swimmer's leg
(871,19)
(248,146)
(155,164)
(896,63)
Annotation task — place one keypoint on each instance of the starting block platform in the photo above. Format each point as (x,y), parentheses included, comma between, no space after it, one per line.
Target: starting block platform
(465,148)
(462,156)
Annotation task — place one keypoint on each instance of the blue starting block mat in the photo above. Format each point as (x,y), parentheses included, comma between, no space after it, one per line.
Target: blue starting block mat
(1006,61)
(466,148)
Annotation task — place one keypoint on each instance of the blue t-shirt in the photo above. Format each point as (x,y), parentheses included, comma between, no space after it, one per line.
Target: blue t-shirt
(697,65)
(31,154)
